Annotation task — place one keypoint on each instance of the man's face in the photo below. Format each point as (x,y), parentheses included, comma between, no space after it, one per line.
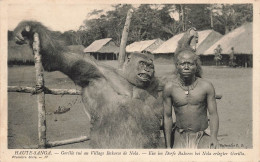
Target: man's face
(186,64)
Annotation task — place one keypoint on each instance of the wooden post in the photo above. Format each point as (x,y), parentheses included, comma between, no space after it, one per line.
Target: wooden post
(68,141)
(46,91)
(40,93)
(121,58)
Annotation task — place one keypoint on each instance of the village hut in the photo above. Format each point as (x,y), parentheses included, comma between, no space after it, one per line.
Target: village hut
(144,46)
(205,40)
(165,52)
(241,39)
(103,49)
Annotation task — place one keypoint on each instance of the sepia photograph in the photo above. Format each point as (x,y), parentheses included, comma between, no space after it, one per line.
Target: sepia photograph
(171,76)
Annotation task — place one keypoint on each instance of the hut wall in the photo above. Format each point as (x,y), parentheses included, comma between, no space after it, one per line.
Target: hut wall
(208,60)
(241,60)
(104,56)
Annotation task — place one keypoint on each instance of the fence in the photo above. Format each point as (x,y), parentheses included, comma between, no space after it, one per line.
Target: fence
(40,90)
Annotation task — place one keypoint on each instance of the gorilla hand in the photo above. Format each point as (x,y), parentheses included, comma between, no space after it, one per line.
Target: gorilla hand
(188,41)
(23,32)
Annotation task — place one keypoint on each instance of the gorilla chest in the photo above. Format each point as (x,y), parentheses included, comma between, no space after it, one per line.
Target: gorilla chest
(145,96)
(102,100)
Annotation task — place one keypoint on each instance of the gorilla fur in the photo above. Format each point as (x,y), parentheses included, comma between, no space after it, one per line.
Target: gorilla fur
(123,106)
(124,112)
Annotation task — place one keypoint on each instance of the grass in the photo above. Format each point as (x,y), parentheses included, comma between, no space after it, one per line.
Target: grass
(235,108)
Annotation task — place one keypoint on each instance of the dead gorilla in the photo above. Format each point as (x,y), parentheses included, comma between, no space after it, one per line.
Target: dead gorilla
(123,106)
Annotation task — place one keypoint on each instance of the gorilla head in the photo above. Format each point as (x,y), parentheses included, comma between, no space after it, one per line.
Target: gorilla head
(138,69)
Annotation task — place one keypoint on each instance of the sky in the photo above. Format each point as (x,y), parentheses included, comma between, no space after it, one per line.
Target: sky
(61,17)
(57,17)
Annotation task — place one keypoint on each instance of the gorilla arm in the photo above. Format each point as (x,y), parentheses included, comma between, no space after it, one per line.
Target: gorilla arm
(123,114)
(188,41)
(56,57)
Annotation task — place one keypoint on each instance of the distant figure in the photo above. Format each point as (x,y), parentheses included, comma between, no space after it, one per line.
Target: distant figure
(232,58)
(218,56)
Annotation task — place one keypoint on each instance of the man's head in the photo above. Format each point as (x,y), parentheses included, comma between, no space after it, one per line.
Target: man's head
(187,64)
(138,69)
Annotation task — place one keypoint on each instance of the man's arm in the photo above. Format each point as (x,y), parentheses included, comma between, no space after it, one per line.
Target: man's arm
(167,116)
(213,115)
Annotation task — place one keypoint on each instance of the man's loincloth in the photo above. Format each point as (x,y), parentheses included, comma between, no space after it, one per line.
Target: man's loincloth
(189,139)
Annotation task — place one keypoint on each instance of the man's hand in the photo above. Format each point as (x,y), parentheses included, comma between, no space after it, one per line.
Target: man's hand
(213,144)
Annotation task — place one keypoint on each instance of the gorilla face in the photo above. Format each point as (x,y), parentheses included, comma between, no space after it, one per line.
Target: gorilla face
(139,69)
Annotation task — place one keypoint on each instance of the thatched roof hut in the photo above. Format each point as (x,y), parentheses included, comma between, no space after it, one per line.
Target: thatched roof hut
(146,45)
(241,39)
(103,49)
(166,51)
(170,45)
(206,39)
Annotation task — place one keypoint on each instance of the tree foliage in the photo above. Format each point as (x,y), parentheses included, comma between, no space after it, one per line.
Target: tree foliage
(152,21)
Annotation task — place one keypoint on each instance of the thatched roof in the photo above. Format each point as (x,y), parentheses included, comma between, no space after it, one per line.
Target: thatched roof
(19,53)
(241,39)
(206,37)
(170,45)
(102,46)
(146,45)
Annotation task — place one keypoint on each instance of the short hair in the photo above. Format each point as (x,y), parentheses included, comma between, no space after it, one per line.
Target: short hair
(197,61)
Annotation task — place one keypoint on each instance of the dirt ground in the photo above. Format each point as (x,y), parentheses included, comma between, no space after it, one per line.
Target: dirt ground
(235,107)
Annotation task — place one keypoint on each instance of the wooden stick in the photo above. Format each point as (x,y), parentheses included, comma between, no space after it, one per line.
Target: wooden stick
(121,57)
(41,95)
(21,89)
(46,91)
(68,141)
(57,91)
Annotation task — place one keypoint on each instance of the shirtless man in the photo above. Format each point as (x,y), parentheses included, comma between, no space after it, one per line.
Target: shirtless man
(191,97)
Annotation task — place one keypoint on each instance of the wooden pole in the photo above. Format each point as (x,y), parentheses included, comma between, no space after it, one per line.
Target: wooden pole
(121,58)
(211,19)
(58,91)
(46,91)
(40,92)
(68,141)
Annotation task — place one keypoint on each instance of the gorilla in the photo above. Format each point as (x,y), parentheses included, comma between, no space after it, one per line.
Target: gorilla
(123,106)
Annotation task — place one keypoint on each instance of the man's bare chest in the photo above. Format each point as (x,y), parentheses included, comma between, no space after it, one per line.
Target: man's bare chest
(181,97)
